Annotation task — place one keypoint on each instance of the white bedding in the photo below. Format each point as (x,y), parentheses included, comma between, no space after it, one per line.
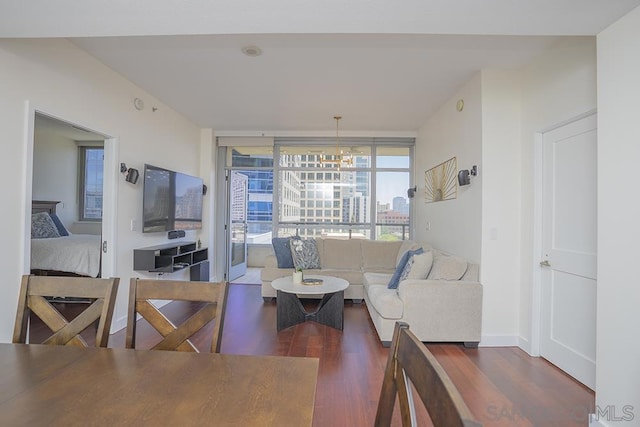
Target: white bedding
(76,253)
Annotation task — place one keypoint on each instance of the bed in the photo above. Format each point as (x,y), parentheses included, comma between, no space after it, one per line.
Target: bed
(57,252)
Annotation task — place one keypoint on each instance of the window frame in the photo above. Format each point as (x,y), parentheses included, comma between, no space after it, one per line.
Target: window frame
(281,145)
(83,148)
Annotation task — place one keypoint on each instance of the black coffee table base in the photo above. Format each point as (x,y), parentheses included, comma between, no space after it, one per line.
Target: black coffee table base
(329,312)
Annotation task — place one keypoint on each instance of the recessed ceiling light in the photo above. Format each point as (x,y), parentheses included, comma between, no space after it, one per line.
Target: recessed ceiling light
(252,51)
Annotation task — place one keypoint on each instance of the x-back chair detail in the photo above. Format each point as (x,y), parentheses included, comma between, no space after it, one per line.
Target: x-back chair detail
(142,291)
(34,290)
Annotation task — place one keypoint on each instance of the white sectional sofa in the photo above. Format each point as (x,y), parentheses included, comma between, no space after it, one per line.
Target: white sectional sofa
(436,309)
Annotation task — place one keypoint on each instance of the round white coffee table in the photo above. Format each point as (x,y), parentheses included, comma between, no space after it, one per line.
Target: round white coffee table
(329,311)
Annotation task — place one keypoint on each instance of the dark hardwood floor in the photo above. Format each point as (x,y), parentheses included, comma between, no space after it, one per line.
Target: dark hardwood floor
(502,386)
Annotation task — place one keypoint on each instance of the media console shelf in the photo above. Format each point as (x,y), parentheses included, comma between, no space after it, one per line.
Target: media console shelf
(172,257)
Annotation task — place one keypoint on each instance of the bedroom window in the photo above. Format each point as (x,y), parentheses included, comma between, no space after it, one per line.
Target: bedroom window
(91,159)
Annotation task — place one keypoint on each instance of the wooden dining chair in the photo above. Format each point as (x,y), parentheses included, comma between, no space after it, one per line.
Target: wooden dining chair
(142,291)
(410,362)
(36,293)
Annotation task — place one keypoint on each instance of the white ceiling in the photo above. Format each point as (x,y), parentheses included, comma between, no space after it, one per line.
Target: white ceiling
(377,83)
(384,66)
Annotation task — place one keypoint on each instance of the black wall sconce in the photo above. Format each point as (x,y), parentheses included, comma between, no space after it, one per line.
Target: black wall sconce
(411,193)
(464,176)
(130,175)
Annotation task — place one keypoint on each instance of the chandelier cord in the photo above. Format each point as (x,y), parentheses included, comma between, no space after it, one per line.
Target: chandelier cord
(338,158)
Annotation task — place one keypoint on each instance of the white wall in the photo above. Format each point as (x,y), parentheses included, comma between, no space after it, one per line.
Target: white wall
(455,224)
(207,170)
(618,346)
(55,77)
(55,167)
(500,180)
(492,221)
(558,86)
(482,224)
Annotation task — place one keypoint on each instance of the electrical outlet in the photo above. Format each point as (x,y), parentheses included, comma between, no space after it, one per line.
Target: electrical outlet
(134,225)
(428,226)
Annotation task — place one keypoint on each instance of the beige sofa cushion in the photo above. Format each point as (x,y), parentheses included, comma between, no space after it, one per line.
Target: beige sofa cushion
(341,254)
(418,266)
(354,277)
(320,246)
(379,255)
(448,268)
(383,300)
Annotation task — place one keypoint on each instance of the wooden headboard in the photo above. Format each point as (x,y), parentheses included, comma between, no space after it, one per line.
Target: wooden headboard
(47,206)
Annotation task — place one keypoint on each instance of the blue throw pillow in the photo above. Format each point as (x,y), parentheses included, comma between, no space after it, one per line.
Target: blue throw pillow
(283,251)
(395,279)
(59,225)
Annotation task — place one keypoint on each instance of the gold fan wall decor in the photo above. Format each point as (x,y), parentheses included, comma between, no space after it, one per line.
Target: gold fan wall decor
(440,181)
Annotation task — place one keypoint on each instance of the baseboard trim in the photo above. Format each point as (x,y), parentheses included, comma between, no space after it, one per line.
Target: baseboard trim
(525,345)
(118,324)
(499,341)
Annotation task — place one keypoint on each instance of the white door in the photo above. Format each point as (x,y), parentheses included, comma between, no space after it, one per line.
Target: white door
(238,198)
(568,316)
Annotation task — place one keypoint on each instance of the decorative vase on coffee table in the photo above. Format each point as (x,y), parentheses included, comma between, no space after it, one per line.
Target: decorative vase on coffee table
(297,277)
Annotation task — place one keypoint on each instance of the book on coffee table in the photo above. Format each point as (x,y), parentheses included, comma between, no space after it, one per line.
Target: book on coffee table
(312,281)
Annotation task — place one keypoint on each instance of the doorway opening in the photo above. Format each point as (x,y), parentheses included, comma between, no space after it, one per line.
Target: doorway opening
(71,170)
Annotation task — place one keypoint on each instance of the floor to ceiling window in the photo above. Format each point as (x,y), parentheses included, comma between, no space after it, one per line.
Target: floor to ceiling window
(315,189)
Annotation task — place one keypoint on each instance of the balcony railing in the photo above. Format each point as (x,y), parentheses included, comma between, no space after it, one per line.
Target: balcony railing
(349,230)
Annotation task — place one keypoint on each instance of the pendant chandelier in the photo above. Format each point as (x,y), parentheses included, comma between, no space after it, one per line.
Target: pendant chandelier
(339,158)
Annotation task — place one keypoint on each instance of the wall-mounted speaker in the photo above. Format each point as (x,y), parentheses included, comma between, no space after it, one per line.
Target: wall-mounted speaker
(411,193)
(132,175)
(463,177)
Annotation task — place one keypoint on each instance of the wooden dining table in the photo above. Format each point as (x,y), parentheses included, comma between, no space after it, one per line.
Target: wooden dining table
(61,385)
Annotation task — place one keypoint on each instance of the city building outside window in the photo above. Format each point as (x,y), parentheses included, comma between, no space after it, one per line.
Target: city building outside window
(90,167)
(314,198)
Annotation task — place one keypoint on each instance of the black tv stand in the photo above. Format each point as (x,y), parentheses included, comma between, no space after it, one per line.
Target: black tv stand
(172,257)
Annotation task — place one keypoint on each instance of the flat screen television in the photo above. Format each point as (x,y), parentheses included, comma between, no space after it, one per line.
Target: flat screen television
(171,200)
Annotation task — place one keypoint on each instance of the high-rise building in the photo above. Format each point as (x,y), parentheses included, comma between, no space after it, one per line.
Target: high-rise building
(400,205)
